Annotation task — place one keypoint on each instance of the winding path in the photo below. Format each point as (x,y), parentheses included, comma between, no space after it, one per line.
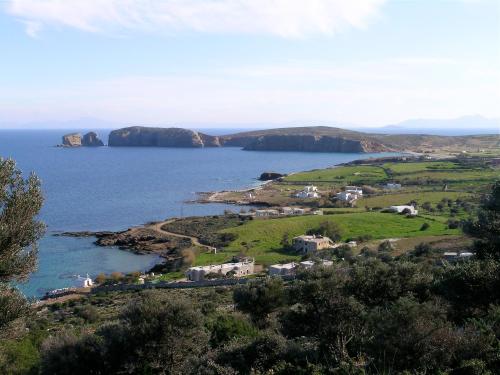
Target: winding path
(158,228)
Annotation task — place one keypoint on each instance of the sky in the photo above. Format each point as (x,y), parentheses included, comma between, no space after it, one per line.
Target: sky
(237,63)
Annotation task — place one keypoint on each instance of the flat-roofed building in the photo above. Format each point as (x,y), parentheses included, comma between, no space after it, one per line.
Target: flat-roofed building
(237,269)
(282,269)
(266,213)
(308,244)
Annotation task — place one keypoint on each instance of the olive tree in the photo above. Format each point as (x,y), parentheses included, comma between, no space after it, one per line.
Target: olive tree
(20,201)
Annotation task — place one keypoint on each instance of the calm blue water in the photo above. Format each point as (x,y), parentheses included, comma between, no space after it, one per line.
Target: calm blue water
(114,188)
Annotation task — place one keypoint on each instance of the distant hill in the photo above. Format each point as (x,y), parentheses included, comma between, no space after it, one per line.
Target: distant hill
(465,125)
(308,139)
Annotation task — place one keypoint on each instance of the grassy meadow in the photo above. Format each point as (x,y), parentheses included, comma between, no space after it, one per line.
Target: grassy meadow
(261,238)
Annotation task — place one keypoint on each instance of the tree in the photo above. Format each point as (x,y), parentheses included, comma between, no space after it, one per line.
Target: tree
(406,211)
(385,246)
(425,226)
(20,201)
(427,206)
(260,298)
(422,249)
(329,229)
(101,278)
(486,228)
(285,241)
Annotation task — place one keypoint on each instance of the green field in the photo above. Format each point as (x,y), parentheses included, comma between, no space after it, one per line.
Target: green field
(404,168)
(261,238)
(408,173)
(439,171)
(342,175)
(420,197)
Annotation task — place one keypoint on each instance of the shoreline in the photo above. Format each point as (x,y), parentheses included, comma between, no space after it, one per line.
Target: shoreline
(221,196)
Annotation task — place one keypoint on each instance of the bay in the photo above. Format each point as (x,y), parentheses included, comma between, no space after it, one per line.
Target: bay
(112,188)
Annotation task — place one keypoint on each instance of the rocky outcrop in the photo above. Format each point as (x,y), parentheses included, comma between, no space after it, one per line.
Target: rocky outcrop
(312,143)
(91,140)
(72,140)
(138,136)
(268,176)
(76,140)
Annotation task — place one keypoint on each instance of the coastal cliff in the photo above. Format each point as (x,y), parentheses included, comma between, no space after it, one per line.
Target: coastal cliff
(311,143)
(138,136)
(305,139)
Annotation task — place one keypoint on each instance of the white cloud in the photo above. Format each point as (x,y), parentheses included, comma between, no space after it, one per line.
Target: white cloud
(284,18)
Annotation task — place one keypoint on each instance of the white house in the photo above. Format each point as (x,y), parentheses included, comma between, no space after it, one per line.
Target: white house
(345,196)
(266,213)
(287,211)
(307,264)
(238,268)
(354,190)
(454,256)
(309,244)
(83,282)
(326,263)
(392,186)
(298,211)
(308,192)
(400,209)
(282,269)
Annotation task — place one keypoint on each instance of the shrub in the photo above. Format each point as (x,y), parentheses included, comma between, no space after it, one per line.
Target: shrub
(101,278)
(227,327)
(116,276)
(260,298)
(425,226)
(385,246)
(88,313)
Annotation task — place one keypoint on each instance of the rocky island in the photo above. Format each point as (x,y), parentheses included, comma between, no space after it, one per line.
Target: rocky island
(138,136)
(89,139)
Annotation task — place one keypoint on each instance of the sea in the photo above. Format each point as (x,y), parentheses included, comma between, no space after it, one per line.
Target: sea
(114,188)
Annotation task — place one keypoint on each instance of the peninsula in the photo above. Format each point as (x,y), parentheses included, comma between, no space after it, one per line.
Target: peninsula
(306,139)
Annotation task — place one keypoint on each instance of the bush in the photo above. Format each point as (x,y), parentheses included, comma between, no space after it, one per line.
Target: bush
(101,278)
(329,229)
(227,327)
(425,226)
(385,246)
(117,276)
(260,298)
(88,313)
